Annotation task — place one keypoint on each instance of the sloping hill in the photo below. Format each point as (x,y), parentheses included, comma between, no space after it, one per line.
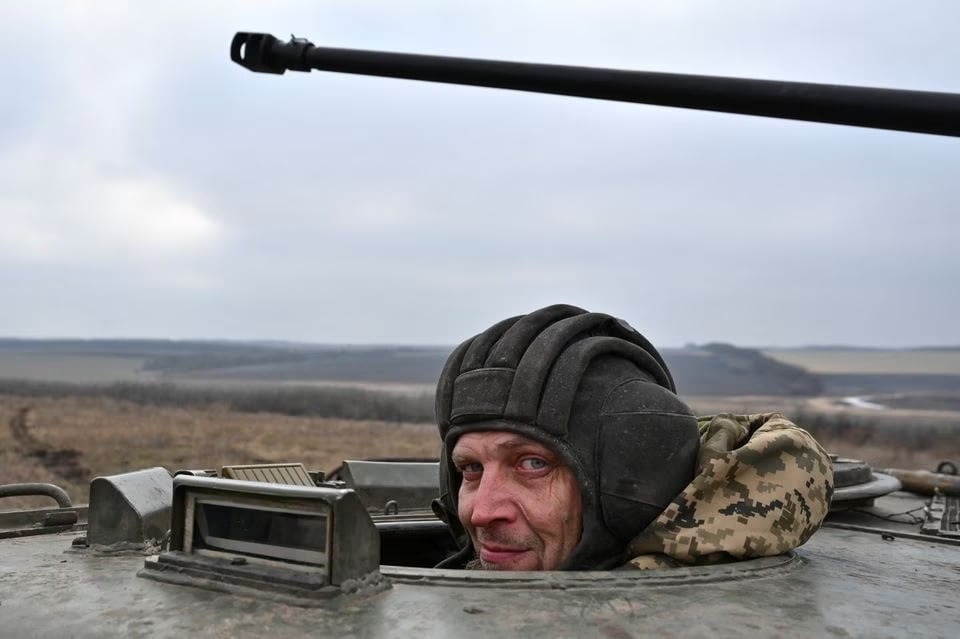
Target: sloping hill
(712,369)
(723,369)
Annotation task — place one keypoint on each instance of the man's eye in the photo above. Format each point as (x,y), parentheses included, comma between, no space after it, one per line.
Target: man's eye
(533,463)
(467,469)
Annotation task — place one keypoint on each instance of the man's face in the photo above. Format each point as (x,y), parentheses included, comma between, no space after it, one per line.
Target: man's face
(518,501)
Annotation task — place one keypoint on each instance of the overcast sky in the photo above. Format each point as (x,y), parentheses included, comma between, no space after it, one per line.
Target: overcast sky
(151,188)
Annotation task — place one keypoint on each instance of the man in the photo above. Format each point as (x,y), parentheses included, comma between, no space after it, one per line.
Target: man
(565,447)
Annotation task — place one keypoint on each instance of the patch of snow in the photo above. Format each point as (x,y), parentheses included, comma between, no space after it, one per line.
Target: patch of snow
(861,402)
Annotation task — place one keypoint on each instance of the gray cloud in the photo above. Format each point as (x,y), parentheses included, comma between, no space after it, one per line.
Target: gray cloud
(149,187)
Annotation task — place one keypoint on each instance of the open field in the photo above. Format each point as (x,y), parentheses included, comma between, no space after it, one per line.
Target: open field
(901,408)
(873,362)
(130,404)
(76,368)
(895,437)
(712,368)
(68,440)
(74,439)
(395,388)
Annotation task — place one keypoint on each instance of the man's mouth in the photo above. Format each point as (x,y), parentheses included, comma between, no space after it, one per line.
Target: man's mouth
(500,555)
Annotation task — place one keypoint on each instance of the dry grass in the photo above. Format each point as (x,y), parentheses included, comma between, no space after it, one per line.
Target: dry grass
(114,436)
(897,437)
(872,362)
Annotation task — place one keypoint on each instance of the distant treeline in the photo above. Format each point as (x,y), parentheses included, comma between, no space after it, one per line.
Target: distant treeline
(711,369)
(856,430)
(206,361)
(916,433)
(337,402)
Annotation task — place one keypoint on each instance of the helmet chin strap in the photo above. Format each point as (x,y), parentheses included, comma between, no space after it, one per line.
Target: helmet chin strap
(459,559)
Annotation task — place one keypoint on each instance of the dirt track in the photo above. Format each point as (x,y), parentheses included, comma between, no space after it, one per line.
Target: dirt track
(67,441)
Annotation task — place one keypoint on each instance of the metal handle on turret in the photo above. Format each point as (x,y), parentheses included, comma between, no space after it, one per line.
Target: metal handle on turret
(37,490)
(893,109)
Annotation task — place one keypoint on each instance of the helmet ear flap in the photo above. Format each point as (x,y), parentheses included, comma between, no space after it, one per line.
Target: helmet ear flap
(647,446)
(462,556)
(445,507)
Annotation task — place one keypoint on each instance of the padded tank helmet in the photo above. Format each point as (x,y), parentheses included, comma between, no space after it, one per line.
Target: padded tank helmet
(596,392)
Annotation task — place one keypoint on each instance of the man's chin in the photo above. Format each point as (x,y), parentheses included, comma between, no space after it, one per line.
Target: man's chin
(478,564)
(521,561)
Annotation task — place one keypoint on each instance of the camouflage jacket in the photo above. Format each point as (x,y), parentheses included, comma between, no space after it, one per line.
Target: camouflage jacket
(763,487)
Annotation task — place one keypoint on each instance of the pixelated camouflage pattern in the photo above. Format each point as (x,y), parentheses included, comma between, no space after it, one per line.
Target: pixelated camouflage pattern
(763,487)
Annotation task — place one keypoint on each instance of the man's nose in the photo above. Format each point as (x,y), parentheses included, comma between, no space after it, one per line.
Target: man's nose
(493,501)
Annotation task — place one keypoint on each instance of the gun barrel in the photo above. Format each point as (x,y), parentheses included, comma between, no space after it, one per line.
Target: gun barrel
(892,109)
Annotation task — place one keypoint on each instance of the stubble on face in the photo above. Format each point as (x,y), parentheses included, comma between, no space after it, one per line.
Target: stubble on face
(519,502)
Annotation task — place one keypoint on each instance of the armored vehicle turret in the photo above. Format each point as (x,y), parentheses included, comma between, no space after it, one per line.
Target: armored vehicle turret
(280,550)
